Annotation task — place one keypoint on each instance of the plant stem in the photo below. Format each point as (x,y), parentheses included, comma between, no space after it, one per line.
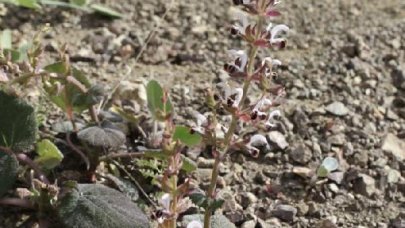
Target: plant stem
(25,203)
(174,201)
(26,160)
(228,137)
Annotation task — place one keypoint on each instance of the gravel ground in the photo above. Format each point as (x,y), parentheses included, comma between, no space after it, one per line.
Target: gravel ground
(344,71)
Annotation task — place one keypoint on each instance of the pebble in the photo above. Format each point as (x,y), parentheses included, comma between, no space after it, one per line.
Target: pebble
(394,145)
(365,185)
(337,108)
(278,139)
(301,154)
(285,212)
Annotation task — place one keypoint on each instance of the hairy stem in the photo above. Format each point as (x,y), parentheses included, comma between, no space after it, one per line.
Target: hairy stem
(24,203)
(26,160)
(228,137)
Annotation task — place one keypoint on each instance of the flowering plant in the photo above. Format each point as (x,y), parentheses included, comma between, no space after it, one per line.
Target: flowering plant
(258,34)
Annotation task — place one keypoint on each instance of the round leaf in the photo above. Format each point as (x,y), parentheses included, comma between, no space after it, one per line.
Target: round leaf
(18,126)
(155,100)
(103,136)
(8,172)
(94,205)
(49,155)
(183,134)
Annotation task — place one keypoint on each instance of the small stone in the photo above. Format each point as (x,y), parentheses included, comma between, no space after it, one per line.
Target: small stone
(393,176)
(394,145)
(249,224)
(361,158)
(230,203)
(205,163)
(333,187)
(285,212)
(337,140)
(365,185)
(326,223)
(302,209)
(337,108)
(248,198)
(279,139)
(337,177)
(301,154)
(303,171)
(390,115)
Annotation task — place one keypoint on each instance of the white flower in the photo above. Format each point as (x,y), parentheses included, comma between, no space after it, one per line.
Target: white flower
(195,224)
(228,92)
(201,122)
(275,31)
(262,102)
(257,140)
(273,114)
(242,55)
(165,201)
(241,27)
(271,61)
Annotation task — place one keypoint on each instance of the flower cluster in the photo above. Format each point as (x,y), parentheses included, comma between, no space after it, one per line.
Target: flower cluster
(244,65)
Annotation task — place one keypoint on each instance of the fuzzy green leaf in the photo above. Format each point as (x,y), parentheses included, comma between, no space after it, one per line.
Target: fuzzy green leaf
(8,172)
(49,154)
(78,2)
(183,134)
(18,126)
(106,135)
(94,205)
(188,164)
(103,10)
(32,4)
(58,67)
(156,106)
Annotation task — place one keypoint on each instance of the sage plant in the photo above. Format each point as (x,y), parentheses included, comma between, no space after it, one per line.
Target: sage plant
(258,33)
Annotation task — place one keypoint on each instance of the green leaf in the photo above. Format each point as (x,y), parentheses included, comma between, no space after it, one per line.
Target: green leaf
(95,205)
(49,154)
(188,164)
(183,134)
(58,67)
(103,10)
(5,40)
(199,199)
(106,135)
(64,4)
(79,2)
(322,172)
(32,4)
(154,94)
(16,56)
(216,204)
(8,172)
(18,126)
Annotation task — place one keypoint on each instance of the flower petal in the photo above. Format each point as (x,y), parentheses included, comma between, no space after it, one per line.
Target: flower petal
(165,201)
(276,30)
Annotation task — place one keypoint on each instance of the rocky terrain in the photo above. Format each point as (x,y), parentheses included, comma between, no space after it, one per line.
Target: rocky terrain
(344,72)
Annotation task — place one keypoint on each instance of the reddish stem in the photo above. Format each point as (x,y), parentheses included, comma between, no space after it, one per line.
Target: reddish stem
(17,202)
(27,161)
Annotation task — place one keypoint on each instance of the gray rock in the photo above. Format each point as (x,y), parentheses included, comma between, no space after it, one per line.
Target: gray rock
(278,139)
(301,154)
(285,212)
(365,185)
(337,177)
(249,224)
(337,108)
(394,145)
(393,176)
(337,140)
